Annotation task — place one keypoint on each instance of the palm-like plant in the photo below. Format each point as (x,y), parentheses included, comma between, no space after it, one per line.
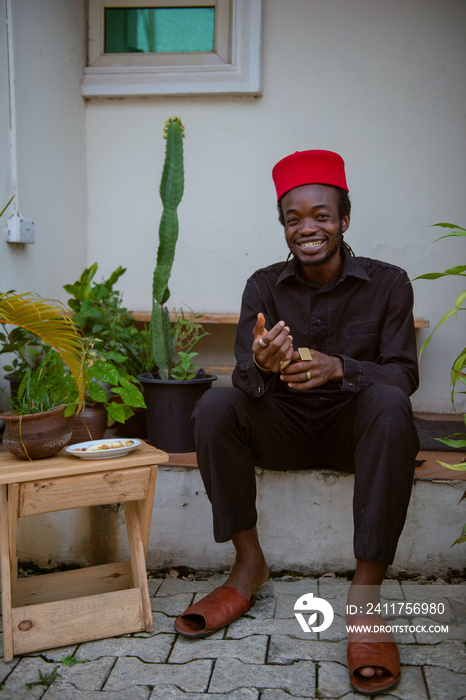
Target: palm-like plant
(49,320)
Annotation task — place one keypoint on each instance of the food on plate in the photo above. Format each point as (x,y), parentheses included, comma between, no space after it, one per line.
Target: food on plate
(112,445)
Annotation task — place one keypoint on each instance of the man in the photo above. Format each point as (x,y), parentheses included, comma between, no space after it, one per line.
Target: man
(326,360)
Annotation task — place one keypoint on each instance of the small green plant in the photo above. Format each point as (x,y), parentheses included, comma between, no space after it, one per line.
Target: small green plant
(458,368)
(49,321)
(72,661)
(45,679)
(99,312)
(39,391)
(104,378)
(27,349)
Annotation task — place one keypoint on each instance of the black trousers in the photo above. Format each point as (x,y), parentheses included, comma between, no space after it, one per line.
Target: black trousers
(371,434)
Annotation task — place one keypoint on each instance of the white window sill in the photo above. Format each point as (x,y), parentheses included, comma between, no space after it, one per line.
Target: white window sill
(240,76)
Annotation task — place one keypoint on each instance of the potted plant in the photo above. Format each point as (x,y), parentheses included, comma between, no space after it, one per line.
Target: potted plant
(173,389)
(458,368)
(36,427)
(119,352)
(105,378)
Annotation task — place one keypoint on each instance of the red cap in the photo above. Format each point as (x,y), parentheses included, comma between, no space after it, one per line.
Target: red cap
(307,168)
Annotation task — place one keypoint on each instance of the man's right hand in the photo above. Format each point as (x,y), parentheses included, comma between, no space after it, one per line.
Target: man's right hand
(276,345)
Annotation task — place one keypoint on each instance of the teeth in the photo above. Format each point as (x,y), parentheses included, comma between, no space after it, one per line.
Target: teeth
(312,244)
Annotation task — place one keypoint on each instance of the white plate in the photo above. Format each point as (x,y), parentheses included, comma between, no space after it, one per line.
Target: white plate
(81,449)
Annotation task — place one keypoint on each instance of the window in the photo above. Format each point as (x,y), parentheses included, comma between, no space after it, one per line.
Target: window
(170,47)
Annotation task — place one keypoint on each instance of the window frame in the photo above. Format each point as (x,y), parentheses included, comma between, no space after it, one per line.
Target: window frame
(234,67)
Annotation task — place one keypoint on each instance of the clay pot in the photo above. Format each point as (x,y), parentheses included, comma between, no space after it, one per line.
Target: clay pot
(36,435)
(88,424)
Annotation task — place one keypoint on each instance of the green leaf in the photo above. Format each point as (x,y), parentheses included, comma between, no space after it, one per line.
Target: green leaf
(105,372)
(451,442)
(97,393)
(462,537)
(71,661)
(131,395)
(118,411)
(456,467)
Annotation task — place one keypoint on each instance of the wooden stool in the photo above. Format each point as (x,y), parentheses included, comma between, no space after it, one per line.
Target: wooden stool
(58,609)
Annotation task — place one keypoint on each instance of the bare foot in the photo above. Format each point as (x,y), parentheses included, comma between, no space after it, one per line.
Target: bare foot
(250,569)
(247,576)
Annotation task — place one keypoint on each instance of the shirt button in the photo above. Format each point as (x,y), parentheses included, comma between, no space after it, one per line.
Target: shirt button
(351,384)
(319,321)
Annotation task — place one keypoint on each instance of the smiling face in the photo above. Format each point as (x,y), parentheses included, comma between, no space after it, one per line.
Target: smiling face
(313,229)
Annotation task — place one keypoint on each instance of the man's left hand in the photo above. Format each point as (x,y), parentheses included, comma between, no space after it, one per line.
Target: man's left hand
(307,374)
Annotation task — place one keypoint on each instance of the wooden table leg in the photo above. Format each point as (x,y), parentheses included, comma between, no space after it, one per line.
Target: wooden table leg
(145,509)
(13,514)
(5,560)
(138,560)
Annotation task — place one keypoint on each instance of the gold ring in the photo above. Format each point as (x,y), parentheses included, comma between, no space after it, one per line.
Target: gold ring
(284,364)
(308,375)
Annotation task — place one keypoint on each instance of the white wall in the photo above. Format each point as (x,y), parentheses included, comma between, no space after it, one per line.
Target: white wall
(381,83)
(49,53)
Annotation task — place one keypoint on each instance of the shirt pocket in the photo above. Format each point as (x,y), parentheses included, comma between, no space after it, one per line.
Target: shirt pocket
(359,327)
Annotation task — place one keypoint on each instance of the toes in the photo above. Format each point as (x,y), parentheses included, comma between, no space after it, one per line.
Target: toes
(371,671)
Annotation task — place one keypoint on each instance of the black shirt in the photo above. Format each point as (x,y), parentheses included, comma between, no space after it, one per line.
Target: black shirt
(364,316)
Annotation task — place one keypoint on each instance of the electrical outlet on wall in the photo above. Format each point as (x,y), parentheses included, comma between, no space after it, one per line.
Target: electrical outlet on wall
(20,230)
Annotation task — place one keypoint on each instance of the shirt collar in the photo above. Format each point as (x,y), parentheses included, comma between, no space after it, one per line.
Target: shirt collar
(351,268)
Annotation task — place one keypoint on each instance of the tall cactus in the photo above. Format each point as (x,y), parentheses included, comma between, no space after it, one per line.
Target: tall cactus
(171,192)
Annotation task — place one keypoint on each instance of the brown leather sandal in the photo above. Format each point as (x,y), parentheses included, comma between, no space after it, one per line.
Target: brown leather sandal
(372,648)
(216,610)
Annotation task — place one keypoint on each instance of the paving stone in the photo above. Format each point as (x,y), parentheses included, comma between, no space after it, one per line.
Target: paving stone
(417,591)
(450,655)
(65,691)
(295,588)
(285,650)
(329,587)
(88,676)
(275,694)
(56,654)
(83,676)
(172,605)
(444,684)
(154,649)
(163,624)
(154,585)
(192,677)
(333,680)
(336,631)
(284,607)
(173,586)
(297,678)
(173,693)
(245,626)
(23,693)
(251,649)
(7,667)
(433,635)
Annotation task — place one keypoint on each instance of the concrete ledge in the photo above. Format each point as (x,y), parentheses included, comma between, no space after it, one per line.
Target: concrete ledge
(305,524)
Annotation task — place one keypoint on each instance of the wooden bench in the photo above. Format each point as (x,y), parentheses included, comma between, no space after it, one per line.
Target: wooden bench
(142,318)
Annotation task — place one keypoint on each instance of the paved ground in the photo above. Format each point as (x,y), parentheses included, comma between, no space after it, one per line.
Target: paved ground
(265,655)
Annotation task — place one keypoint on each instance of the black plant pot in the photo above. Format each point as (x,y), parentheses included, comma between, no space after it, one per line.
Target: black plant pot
(170,403)
(14,384)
